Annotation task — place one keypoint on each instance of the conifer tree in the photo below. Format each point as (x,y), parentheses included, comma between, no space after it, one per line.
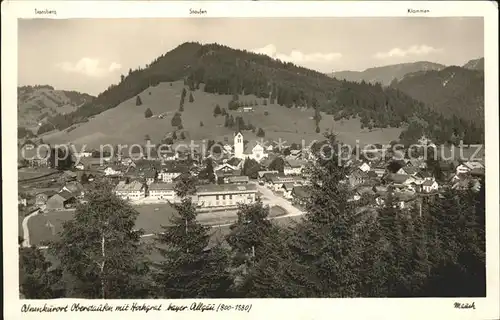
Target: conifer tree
(328,240)
(189,268)
(138,101)
(101,250)
(191,98)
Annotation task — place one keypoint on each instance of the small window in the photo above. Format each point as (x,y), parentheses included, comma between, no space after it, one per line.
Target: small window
(224,197)
(217,197)
(230,197)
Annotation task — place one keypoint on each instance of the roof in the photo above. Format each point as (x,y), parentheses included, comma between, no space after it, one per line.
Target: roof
(301,191)
(74,186)
(281,179)
(238,179)
(150,173)
(477,172)
(263,173)
(473,165)
(398,178)
(132,186)
(371,174)
(234,161)
(161,186)
(288,186)
(428,183)
(48,193)
(410,170)
(90,161)
(296,163)
(404,196)
(225,188)
(65,195)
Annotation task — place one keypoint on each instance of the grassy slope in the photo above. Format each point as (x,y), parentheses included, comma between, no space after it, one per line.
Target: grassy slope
(126,124)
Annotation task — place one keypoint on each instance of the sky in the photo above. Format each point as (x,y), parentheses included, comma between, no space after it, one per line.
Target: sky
(88,55)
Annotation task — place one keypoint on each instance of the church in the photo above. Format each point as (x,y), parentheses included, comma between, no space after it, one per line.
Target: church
(253,150)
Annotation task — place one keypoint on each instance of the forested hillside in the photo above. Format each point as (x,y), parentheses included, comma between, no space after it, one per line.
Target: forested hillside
(475,64)
(454,91)
(35,103)
(229,71)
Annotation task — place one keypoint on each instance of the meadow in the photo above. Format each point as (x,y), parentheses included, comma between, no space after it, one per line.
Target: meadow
(126,124)
(46,226)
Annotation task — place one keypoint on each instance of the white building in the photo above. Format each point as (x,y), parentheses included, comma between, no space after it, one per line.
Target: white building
(112,171)
(429,186)
(131,191)
(466,167)
(162,191)
(227,195)
(365,167)
(254,150)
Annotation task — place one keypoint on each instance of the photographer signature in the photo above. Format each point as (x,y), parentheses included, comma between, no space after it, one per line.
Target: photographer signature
(459,305)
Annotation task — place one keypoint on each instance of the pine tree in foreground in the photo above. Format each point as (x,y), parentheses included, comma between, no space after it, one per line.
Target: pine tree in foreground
(189,268)
(101,249)
(328,242)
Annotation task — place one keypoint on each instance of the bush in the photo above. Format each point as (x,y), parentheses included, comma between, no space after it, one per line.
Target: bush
(217,111)
(266,113)
(261,133)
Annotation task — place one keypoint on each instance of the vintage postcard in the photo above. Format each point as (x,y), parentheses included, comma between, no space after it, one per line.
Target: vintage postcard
(250,159)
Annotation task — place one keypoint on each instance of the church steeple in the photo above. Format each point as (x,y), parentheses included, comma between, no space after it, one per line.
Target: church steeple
(238,145)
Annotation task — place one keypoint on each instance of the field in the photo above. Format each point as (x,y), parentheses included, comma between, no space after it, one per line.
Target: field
(34,173)
(126,123)
(45,227)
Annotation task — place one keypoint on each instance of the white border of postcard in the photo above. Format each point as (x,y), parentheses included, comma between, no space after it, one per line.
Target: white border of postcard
(413,308)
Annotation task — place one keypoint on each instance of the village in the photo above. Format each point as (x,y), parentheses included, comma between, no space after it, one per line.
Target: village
(279,177)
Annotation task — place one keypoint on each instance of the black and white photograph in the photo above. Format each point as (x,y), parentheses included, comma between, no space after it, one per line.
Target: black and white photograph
(178,159)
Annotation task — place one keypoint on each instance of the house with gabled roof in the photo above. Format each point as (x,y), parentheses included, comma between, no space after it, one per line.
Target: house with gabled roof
(162,191)
(300,194)
(130,191)
(430,186)
(60,201)
(409,170)
(236,179)
(294,167)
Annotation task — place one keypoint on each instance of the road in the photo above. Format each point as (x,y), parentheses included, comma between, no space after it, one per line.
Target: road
(26,232)
(268,197)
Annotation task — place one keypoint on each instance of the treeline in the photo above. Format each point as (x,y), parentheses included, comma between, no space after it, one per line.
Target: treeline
(228,71)
(336,250)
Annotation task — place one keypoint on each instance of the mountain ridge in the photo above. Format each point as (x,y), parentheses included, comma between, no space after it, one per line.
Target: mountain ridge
(386,74)
(226,71)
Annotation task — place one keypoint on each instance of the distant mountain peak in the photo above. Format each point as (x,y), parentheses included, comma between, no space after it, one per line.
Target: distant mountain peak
(475,64)
(386,74)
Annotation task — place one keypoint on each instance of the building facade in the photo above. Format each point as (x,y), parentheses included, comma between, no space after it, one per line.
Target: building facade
(213,196)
